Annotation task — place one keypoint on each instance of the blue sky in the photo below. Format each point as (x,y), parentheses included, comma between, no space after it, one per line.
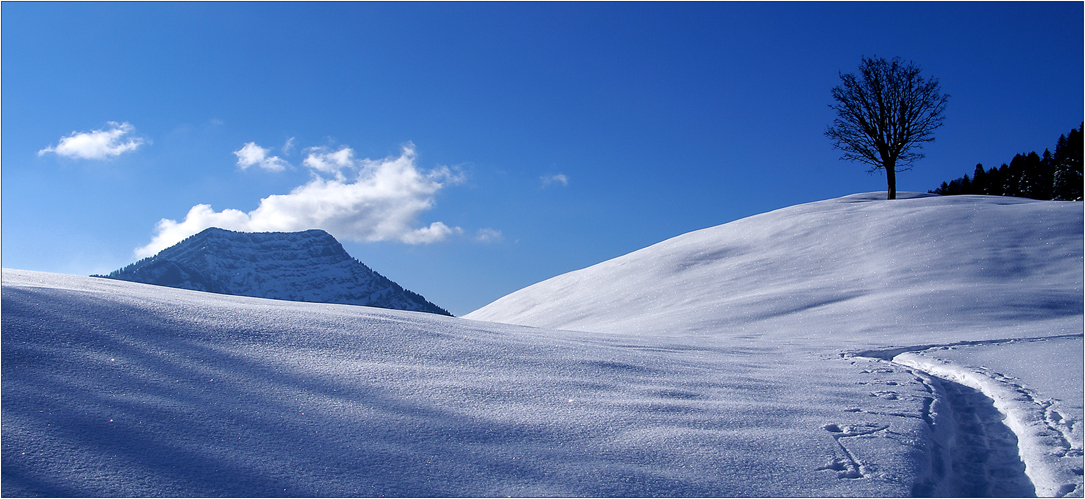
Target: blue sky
(466,150)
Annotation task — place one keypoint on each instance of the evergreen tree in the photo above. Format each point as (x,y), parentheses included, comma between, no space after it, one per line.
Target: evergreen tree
(995,182)
(1007,187)
(979,180)
(1055,175)
(1012,178)
(1033,179)
(1066,163)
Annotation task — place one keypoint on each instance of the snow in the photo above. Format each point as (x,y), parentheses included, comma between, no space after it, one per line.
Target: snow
(301,266)
(1060,373)
(857,271)
(1037,384)
(796,353)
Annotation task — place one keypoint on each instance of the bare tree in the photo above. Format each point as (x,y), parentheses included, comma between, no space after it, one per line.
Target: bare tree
(885,113)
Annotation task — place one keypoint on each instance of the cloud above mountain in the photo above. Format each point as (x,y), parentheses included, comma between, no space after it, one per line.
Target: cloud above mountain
(253,155)
(325,161)
(97,144)
(362,200)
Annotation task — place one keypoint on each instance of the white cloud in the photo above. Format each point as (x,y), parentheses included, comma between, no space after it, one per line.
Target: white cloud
(436,231)
(323,161)
(251,154)
(559,178)
(288,146)
(96,144)
(489,236)
(381,203)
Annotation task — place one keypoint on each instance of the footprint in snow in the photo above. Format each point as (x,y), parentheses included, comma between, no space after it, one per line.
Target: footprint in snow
(885,394)
(847,466)
(853,430)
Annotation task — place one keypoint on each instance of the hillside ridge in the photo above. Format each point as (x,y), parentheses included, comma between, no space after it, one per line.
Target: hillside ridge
(856,264)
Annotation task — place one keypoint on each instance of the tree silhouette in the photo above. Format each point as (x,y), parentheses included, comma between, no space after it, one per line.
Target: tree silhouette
(1067,165)
(885,114)
(1051,176)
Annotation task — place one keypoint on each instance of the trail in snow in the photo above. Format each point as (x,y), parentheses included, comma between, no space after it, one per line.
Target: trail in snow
(1046,440)
(972,453)
(984,459)
(1001,437)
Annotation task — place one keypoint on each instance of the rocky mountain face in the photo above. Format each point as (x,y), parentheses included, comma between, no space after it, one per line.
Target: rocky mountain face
(308,266)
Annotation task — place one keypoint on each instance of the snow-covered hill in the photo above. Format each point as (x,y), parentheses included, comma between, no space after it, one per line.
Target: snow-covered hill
(850,347)
(911,278)
(857,270)
(300,266)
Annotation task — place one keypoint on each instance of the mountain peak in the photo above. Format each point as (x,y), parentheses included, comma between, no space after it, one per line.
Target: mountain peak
(306,266)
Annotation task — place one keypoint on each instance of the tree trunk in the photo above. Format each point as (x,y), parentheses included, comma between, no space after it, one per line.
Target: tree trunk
(891,178)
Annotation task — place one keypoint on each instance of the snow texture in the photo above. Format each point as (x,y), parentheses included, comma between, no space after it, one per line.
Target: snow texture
(1042,406)
(797,353)
(301,266)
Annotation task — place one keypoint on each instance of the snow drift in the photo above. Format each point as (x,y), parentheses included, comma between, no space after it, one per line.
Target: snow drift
(725,362)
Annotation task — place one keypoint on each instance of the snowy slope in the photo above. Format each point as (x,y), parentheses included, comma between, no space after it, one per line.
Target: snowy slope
(860,275)
(856,271)
(750,359)
(1036,386)
(301,266)
(112,388)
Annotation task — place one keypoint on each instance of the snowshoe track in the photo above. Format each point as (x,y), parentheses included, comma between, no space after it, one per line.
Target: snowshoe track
(984,459)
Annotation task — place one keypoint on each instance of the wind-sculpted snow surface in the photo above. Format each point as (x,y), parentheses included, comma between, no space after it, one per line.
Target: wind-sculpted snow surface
(113,388)
(862,276)
(751,359)
(855,271)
